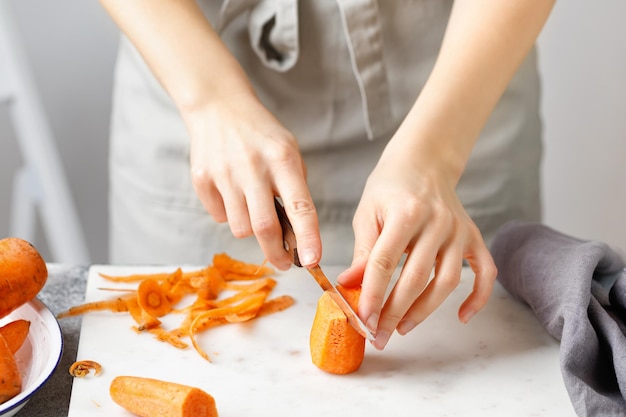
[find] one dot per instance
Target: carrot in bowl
(15, 333)
(10, 378)
(336, 347)
(23, 273)
(149, 397)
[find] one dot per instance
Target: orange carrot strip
(212, 284)
(147, 397)
(251, 289)
(168, 337)
(231, 267)
(336, 347)
(144, 320)
(135, 277)
(116, 305)
(276, 305)
(15, 333)
(159, 276)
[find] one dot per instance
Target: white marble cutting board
(500, 364)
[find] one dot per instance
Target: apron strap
(363, 32)
(273, 32)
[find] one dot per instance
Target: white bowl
(39, 355)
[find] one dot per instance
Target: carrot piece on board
(336, 347)
(15, 333)
(152, 299)
(147, 397)
(23, 273)
(10, 378)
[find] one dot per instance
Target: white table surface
(502, 363)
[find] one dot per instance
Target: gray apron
(341, 75)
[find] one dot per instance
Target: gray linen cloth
(577, 290)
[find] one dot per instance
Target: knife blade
(289, 240)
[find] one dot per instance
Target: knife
(289, 240)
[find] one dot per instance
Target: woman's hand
(409, 205)
(409, 202)
(241, 157)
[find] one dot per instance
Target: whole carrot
(23, 273)
(147, 397)
(336, 347)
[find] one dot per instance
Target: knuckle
(383, 264)
(200, 176)
(301, 207)
(448, 282)
(391, 318)
(416, 277)
(283, 151)
(264, 227)
(241, 231)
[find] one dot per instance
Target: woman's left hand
(410, 206)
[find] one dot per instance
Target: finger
(303, 217)
(237, 213)
(413, 279)
(446, 278)
(266, 227)
(381, 264)
(208, 194)
(484, 268)
(353, 276)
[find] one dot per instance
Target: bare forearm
(485, 43)
(181, 48)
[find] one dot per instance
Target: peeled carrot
(149, 397)
(336, 347)
(23, 273)
(10, 379)
(15, 333)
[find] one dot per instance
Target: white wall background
(583, 62)
(71, 45)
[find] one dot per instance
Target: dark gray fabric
(577, 290)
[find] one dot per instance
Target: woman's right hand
(241, 157)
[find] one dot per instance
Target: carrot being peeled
(336, 347)
(147, 397)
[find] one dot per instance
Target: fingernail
(382, 337)
(406, 326)
(372, 323)
(467, 316)
(307, 257)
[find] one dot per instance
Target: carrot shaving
(116, 305)
(227, 291)
(81, 369)
(152, 299)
